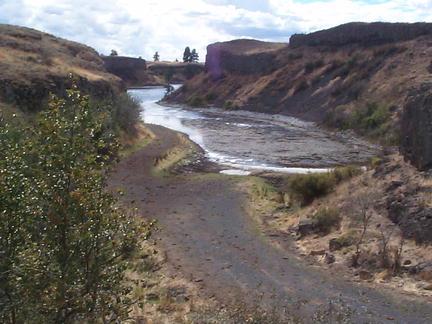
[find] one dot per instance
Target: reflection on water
(255, 141)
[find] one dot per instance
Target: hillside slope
(34, 64)
(356, 76)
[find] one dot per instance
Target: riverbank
(208, 237)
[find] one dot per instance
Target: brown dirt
(208, 237)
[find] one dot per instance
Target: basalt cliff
(373, 78)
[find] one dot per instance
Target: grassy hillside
(33, 64)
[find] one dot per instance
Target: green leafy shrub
(372, 120)
(326, 218)
(306, 187)
(64, 242)
(126, 113)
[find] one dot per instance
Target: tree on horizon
(156, 56)
(194, 57)
(187, 55)
(113, 53)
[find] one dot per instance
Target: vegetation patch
(230, 105)
(197, 101)
(312, 66)
(326, 218)
(307, 187)
(373, 120)
(65, 241)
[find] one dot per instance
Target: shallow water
(251, 141)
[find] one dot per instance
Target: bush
(64, 241)
(210, 97)
(125, 113)
(372, 120)
(375, 162)
(230, 105)
(306, 187)
(345, 240)
(196, 101)
(326, 218)
(346, 172)
(311, 66)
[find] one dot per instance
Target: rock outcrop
(243, 56)
(365, 34)
(414, 219)
(416, 128)
(133, 71)
(176, 72)
(136, 72)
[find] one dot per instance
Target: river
(242, 141)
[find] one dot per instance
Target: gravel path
(209, 238)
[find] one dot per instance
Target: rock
(423, 270)
(365, 275)
(428, 287)
(329, 258)
(246, 56)
(362, 33)
(317, 252)
(416, 128)
(305, 227)
(394, 185)
(340, 242)
(179, 294)
(407, 262)
(414, 219)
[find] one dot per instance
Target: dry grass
(176, 156)
(275, 212)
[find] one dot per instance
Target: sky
(141, 27)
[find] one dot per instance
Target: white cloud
(139, 28)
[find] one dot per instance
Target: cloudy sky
(141, 27)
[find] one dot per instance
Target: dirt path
(209, 238)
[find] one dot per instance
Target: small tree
(187, 55)
(194, 56)
(113, 53)
(362, 210)
(156, 57)
(63, 240)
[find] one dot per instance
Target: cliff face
(174, 72)
(357, 76)
(367, 34)
(136, 72)
(244, 56)
(416, 128)
(34, 64)
(133, 71)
